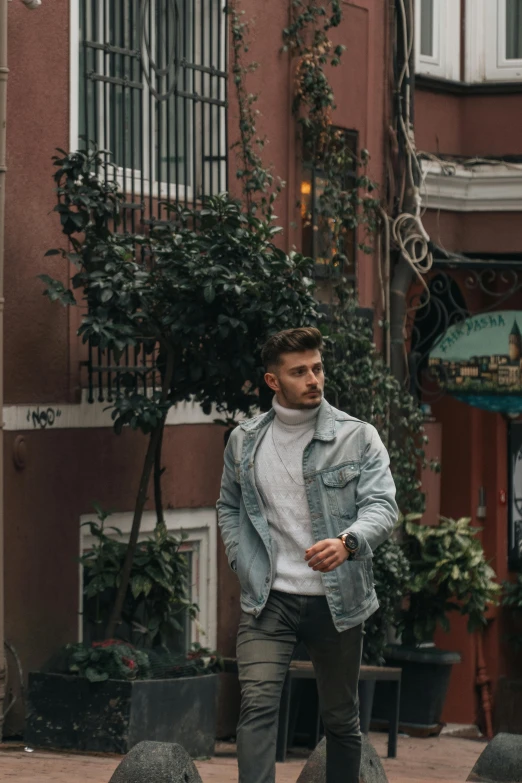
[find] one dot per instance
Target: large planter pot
(424, 685)
(111, 717)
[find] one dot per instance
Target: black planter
(111, 717)
(425, 679)
(366, 696)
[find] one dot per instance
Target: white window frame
(445, 62)
(486, 45)
(200, 525)
(126, 176)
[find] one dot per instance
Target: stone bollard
(160, 762)
(500, 761)
(371, 768)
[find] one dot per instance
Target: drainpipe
(3, 168)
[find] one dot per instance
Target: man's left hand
(326, 555)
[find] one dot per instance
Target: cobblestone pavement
(436, 760)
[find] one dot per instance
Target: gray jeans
(264, 649)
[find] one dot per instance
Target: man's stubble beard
(299, 405)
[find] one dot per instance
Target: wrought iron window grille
(152, 93)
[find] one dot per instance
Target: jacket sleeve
(377, 511)
(228, 504)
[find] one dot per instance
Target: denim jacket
(348, 486)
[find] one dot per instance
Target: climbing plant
(260, 186)
(345, 203)
(359, 382)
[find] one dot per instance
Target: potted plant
(449, 573)
(106, 695)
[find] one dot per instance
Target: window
(437, 38)
(150, 86)
(200, 526)
(318, 232)
(493, 40)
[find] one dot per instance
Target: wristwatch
(350, 542)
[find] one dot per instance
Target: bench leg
(284, 717)
(393, 728)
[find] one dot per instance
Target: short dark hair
(304, 338)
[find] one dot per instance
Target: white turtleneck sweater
(279, 479)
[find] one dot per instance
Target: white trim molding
(85, 415)
(478, 188)
(200, 528)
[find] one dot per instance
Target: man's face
(298, 380)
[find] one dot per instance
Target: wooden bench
(303, 670)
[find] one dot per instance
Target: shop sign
(479, 360)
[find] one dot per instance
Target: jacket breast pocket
(340, 486)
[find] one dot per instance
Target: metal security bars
(153, 93)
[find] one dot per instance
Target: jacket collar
(324, 430)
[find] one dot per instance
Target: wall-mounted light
(481, 510)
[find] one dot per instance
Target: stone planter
(70, 712)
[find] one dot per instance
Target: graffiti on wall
(43, 418)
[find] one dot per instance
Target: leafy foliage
(155, 602)
(116, 660)
(307, 39)
(512, 595)
(449, 573)
(391, 572)
(345, 202)
(207, 288)
(260, 187)
(112, 659)
(359, 382)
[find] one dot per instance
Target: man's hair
(304, 338)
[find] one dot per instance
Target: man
(306, 497)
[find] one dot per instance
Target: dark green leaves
(208, 287)
(449, 573)
(157, 596)
(57, 292)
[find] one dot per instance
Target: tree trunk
(141, 499)
(158, 473)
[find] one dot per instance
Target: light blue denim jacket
(349, 487)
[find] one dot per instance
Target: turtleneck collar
(294, 417)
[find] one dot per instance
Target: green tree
(198, 295)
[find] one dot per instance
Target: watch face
(352, 541)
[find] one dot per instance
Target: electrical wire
(407, 229)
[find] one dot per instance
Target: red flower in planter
(129, 663)
(107, 643)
